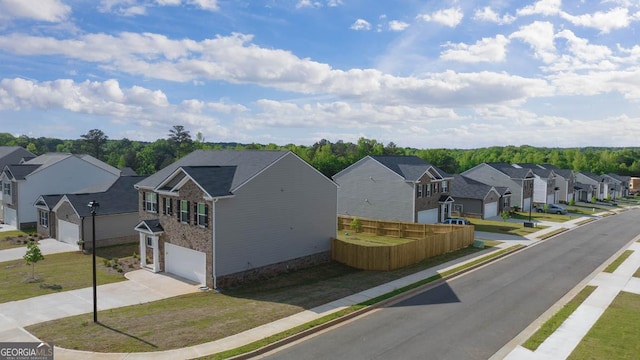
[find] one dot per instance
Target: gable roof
(411, 168)
(247, 163)
(591, 176)
(538, 170)
(120, 198)
(47, 202)
(150, 226)
(464, 187)
(19, 172)
(13, 155)
(215, 181)
(565, 173)
(620, 178)
(512, 172)
(45, 160)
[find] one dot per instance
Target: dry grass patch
(15, 238)
(203, 317)
(57, 272)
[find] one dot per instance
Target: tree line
(329, 158)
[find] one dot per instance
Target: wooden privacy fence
(429, 240)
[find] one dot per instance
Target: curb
(390, 301)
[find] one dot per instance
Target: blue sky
(424, 74)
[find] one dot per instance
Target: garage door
(186, 263)
(428, 216)
(526, 205)
(10, 216)
(490, 210)
(68, 232)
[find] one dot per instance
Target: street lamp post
(94, 205)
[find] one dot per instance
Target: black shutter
(164, 206)
(188, 212)
(170, 206)
(206, 215)
(144, 200)
(179, 209)
(195, 214)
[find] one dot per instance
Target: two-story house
(518, 180)
(597, 185)
(545, 190)
(397, 188)
(222, 217)
(620, 185)
(11, 155)
(51, 173)
(565, 182)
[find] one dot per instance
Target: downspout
(82, 231)
(213, 243)
(413, 202)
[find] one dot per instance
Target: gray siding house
(397, 188)
(475, 199)
(545, 190)
(222, 217)
(67, 217)
(519, 181)
(596, 182)
(565, 182)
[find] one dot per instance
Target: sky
(422, 74)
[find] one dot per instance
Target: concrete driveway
(143, 286)
(47, 246)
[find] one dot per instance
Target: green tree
(32, 256)
(94, 142)
(181, 141)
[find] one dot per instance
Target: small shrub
(572, 202)
(504, 214)
(356, 225)
(106, 262)
(593, 200)
(120, 270)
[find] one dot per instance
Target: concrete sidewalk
(565, 339)
(47, 247)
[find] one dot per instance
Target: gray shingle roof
(464, 187)
(565, 173)
(411, 168)
(509, 170)
(248, 163)
(215, 180)
(12, 155)
(592, 175)
(19, 172)
(540, 171)
(120, 198)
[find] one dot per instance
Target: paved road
(472, 317)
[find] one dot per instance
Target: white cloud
(487, 49)
(234, 59)
(41, 10)
(308, 4)
(487, 14)
(542, 7)
(540, 36)
(361, 24)
(395, 25)
(614, 19)
(449, 17)
(138, 7)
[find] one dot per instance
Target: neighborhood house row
(220, 217)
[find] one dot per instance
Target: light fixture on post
(94, 205)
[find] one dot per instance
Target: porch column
(143, 250)
(156, 254)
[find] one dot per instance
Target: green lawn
(503, 227)
(57, 272)
(614, 265)
(542, 216)
(557, 319)
(202, 317)
(615, 335)
(366, 239)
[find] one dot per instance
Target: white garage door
(187, 263)
(526, 206)
(68, 232)
(490, 210)
(10, 216)
(428, 216)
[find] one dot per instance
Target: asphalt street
(474, 316)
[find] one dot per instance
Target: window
(429, 189)
(203, 214)
(149, 241)
(505, 202)
(168, 206)
(419, 190)
(150, 201)
(44, 219)
(6, 188)
(445, 186)
(184, 211)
